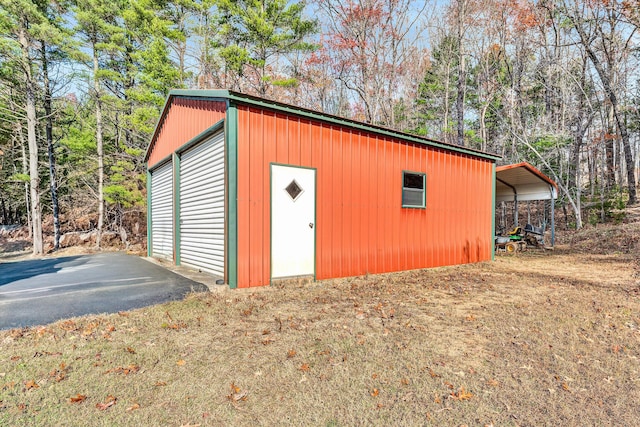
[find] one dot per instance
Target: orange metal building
(253, 190)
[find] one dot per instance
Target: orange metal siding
(185, 119)
(361, 226)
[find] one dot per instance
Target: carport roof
(523, 182)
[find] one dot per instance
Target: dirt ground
(537, 338)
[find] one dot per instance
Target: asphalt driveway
(35, 292)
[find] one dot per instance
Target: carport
(523, 182)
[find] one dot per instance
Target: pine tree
(255, 34)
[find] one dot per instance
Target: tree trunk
(611, 95)
(5, 214)
(483, 125)
(30, 106)
(99, 147)
(578, 142)
(25, 171)
(52, 161)
(445, 113)
(609, 139)
(461, 73)
(129, 84)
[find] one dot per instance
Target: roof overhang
(523, 182)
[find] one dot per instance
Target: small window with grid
(414, 194)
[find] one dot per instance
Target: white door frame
(312, 223)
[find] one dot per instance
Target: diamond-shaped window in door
(294, 190)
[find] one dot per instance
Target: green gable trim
(221, 95)
(231, 140)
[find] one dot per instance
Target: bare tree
(597, 26)
(370, 43)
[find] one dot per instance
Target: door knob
(310, 225)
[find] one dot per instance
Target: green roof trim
(228, 95)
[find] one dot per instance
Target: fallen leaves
(31, 384)
(133, 407)
(131, 369)
(237, 394)
(78, 398)
(174, 326)
(181, 362)
(375, 392)
(90, 328)
(304, 367)
(59, 374)
(108, 402)
(291, 354)
(461, 394)
(68, 325)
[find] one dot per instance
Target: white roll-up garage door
(162, 211)
(202, 205)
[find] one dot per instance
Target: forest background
(82, 84)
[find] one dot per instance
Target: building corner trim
(231, 132)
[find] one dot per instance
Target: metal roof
(236, 97)
(523, 182)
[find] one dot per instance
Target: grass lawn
(540, 338)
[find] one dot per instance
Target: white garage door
(162, 211)
(202, 205)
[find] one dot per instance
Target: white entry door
(293, 212)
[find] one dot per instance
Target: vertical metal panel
(245, 133)
(257, 180)
(361, 226)
(185, 119)
(270, 121)
(162, 211)
(202, 205)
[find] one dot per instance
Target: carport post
(553, 218)
(515, 201)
